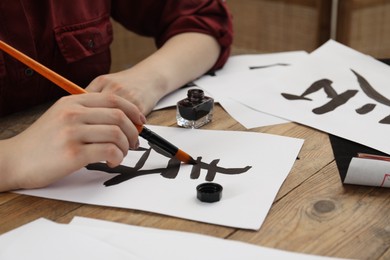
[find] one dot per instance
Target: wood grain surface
(313, 212)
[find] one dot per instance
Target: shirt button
(91, 44)
(28, 72)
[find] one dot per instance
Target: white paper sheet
(229, 87)
(46, 240)
(368, 172)
(177, 245)
(333, 62)
(246, 197)
(86, 238)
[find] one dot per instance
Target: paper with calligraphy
(250, 166)
(334, 89)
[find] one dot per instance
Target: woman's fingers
(111, 100)
(106, 109)
(119, 122)
(108, 152)
(105, 134)
(75, 131)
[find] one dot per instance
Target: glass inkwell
(194, 111)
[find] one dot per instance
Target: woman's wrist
(8, 176)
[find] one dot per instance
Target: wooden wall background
(128, 48)
(280, 25)
(264, 26)
(365, 26)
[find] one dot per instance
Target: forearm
(182, 59)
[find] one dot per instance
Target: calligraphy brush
(72, 88)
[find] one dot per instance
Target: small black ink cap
(209, 192)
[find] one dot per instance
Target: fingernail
(142, 118)
(136, 146)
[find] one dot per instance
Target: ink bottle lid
(194, 111)
(209, 192)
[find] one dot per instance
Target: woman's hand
(132, 85)
(77, 130)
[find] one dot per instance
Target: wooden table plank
(24, 209)
(324, 217)
(7, 196)
(315, 154)
(13, 124)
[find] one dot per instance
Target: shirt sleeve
(163, 19)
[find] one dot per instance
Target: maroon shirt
(72, 37)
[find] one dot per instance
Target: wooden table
(312, 213)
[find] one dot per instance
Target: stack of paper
(96, 239)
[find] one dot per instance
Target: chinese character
(125, 173)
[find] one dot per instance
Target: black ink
(295, 97)
(268, 66)
(195, 172)
(316, 86)
(335, 102)
(340, 99)
(325, 84)
(367, 108)
(370, 91)
(171, 171)
(385, 120)
(373, 94)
